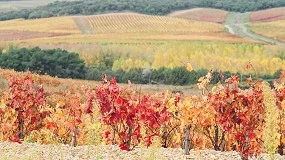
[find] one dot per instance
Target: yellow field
(131, 38)
(275, 29)
(52, 25)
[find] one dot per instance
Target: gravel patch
(31, 151)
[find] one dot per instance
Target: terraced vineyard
(110, 28)
(268, 15)
(136, 23)
(202, 14)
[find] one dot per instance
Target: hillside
(10, 5)
(152, 7)
(274, 29)
(117, 26)
(132, 40)
(135, 23)
(45, 25)
(268, 15)
(57, 106)
(202, 14)
(129, 40)
(143, 80)
(269, 23)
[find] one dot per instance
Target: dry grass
(202, 14)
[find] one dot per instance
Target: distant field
(133, 38)
(137, 23)
(268, 15)
(269, 23)
(50, 25)
(22, 35)
(126, 27)
(202, 14)
(21, 4)
(158, 41)
(275, 29)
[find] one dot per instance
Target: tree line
(153, 7)
(64, 64)
(54, 62)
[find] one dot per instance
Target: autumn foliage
(226, 117)
(23, 108)
(126, 111)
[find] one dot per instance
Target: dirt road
(237, 23)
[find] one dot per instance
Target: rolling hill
(268, 15)
(202, 14)
(23, 4)
(269, 23)
(156, 41)
(115, 26)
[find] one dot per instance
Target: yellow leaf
(59, 113)
(2, 104)
(60, 103)
(189, 67)
(61, 131)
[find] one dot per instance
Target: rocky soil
(33, 151)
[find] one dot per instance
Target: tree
(54, 62)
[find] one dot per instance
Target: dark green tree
(54, 62)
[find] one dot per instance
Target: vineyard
(156, 54)
(202, 14)
(50, 25)
(268, 15)
(118, 28)
(274, 29)
(230, 104)
(135, 23)
(20, 35)
(225, 117)
(269, 23)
